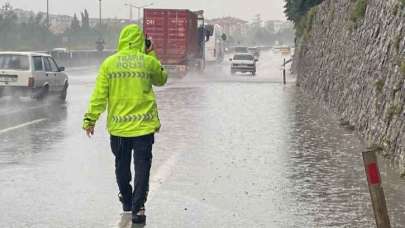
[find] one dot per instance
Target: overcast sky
(269, 9)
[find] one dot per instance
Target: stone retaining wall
(355, 65)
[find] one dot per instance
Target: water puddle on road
(263, 155)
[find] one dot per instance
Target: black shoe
(140, 217)
(126, 204)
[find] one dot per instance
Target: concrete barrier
(80, 58)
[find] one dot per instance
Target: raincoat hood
(131, 38)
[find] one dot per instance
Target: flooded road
(234, 151)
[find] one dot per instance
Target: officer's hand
(150, 49)
(90, 131)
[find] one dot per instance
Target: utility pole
(47, 14)
(100, 42)
(100, 10)
(139, 8)
(131, 7)
(139, 16)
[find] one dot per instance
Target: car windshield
(14, 62)
(243, 57)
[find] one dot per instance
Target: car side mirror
(61, 69)
(256, 60)
(230, 59)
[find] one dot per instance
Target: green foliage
(302, 13)
(398, 7)
(379, 85)
(377, 148)
(34, 34)
(402, 67)
(402, 2)
(304, 27)
(393, 110)
(75, 25)
(395, 9)
(30, 35)
(85, 19)
(397, 43)
(295, 10)
(359, 11)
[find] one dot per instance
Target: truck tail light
(31, 82)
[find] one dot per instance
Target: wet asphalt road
(234, 151)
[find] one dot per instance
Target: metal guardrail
(80, 58)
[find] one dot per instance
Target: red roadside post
(376, 189)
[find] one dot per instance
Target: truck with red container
(178, 38)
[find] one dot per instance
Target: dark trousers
(122, 149)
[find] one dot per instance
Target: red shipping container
(174, 34)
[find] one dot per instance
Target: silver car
(31, 74)
(244, 63)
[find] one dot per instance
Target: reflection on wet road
(234, 151)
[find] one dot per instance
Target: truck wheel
(63, 95)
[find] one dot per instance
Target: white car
(31, 74)
(243, 63)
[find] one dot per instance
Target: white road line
(21, 126)
(24, 110)
(162, 174)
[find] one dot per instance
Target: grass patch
(399, 7)
(359, 11)
(393, 110)
(402, 67)
(379, 85)
(395, 9)
(397, 43)
(376, 148)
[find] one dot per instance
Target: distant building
(281, 25)
(109, 21)
(60, 23)
(231, 25)
(23, 15)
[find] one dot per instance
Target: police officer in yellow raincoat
(124, 88)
